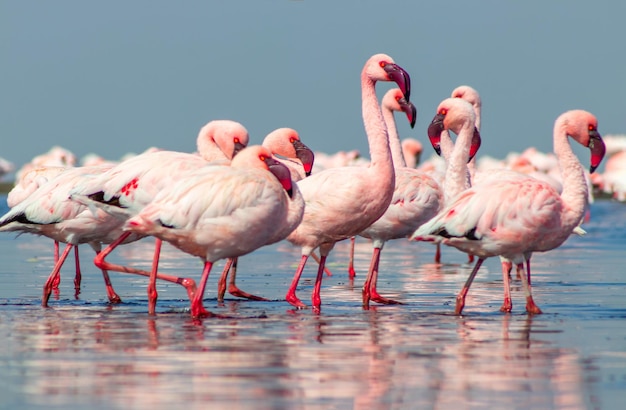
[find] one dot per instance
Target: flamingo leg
(221, 284)
(315, 297)
(460, 299)
(291, 293)
(187, 283)
(369, 287)
(317, 259)
(78, 278)
(48, 286)
(57, 281)
(235, 291)
(153, 295)
(197, 308)
(507, 305)
(531, 307)
(351, 271)
(438, 253)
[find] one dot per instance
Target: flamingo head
(257, 156)
(582, 126)
(286, 142)
(394, 100)
(453, 114)
(381, 67)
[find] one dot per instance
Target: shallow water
(265, 355)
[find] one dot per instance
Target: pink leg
(438, 253)
(197, 308)
(187, 283)
(291, 293)
(315, 297)
(351, 271)
(57, 281)
(235, 291)
(460, 299)
(47, 287)
(78, 278)
(507, 306)
(221, 284)
(369, 287)
(531, 307)
(153, 295)
(317, 259)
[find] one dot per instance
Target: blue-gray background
(118, 76)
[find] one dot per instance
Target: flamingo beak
(305, 155)
(476, 140)
(400, 77)
(282, 174)
(409, 109)
(434, 132)
(238, 147)
(598, 149)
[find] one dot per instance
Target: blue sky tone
(120, 76)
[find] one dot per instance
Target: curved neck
(457, 175)
(394, 139)
(376, 131)
(575, 194)
(208, 149)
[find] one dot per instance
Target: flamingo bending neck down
(342, 202)
(133, 184)
(515, 217)
(287, 148)
(220, 212)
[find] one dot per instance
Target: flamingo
(135, 182)
(412, 151)
(342, 202)
(515, 217)
(49, 212)
(287, 148)
(417, 197)
(220, 212)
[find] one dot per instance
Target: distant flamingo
(342, 202)
(287, 148)
(417, 197)
(220, 212)
(135, 182)
(516, 217)
(412, 152)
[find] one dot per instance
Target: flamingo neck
(457, 175)
(377, 137)
(394, 139)
(575, 194)
(208, 149)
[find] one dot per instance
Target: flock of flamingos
(231, 198)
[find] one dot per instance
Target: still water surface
(84, 353)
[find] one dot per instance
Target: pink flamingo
(342, 202)
(417, 197)
(412, 152)
(220, 212)
(135, 182)
(515, 217)
(49, 212)
(287, 148)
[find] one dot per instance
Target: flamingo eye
(383, 64)
(236, 140)
(592, 127)
(262, 157)
(443, 111)
(292, 140)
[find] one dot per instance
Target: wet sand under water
(266, 355)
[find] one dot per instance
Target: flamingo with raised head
(287, 148)
(417, 197)
(516, 217)
(132, 184)
(220, 212)
(342, 202)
